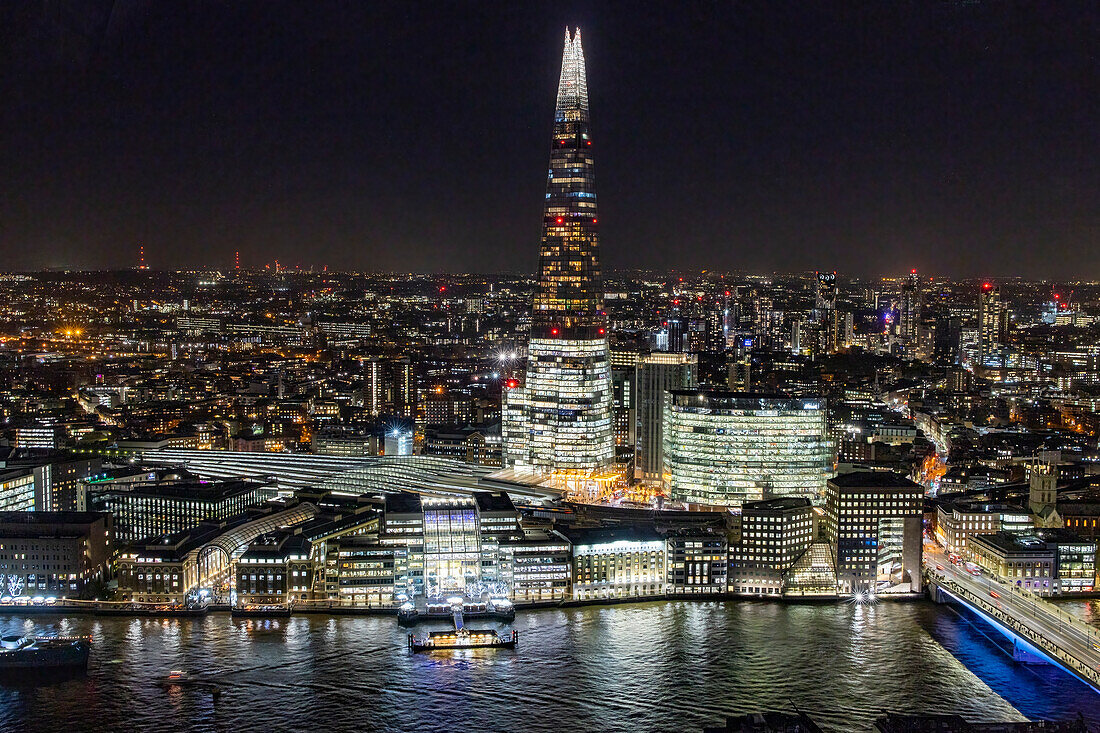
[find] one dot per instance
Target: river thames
(667, 666)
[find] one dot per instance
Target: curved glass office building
(727, 448)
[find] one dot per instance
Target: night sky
(961, 138)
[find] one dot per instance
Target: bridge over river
(1038, 629)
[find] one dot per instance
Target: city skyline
(264, 469)
(761, 140)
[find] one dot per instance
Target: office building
(158, 509)
(403, 529)
(16, 490)
(655, 375)
(1046, 561)
(1023, 560)
(452, 544)
(774, 534)
(873, 519)
(345, 442)
(53, 553)
(177, 567)
(698, 563)
(536, 565)
(468, 444)
(498, 523)
(57, 480)
(623, 397)
(620, 562)
(274, 569)
(727, 448)
(37, 436)
(1074, 560)
(361, 571)
(564, 407)
(57, 476)
(958, 522)
(440, 407)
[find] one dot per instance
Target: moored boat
(255, 611)
(35, 657)
(462, 639)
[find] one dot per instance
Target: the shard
(560, 420)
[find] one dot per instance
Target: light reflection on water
(674, 666)
(1089, 610)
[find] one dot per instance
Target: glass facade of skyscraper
(727, 448)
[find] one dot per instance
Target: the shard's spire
(573, 86)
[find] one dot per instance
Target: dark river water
(669, 666)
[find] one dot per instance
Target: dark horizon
(956, 138)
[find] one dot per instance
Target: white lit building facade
(565, 408)
(618, 563)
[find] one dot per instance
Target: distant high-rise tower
(560, 420)
(831, 324)
(992, 322)
(910, 308)
(825, 291)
